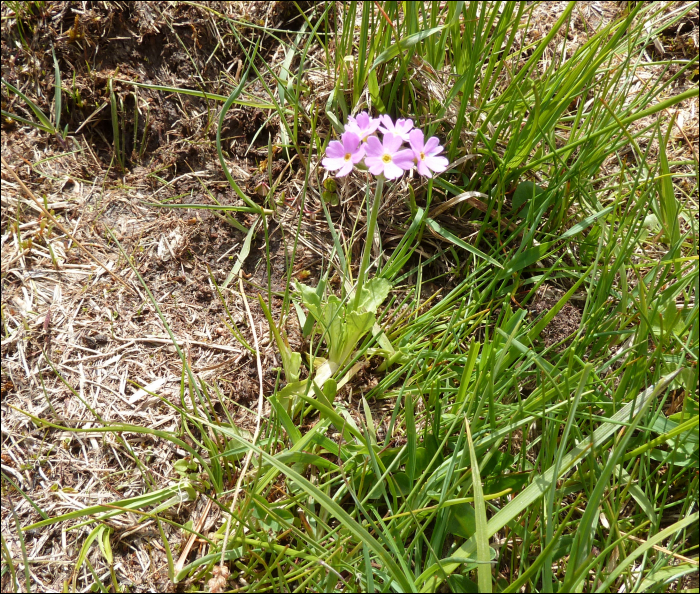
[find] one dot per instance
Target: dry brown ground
(60, 304)
(64, 313)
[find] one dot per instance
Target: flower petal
(335, 149)
(373, 148)
(437, 164)
(350, 141)
(333, 163)
(362, 120)
(392, 170)
(415, 139)
(375, 165)
(392, 143)
(430, 146)
(405, 159)
(345, 169)
(422, 169)
(404, 125)
(359, 155)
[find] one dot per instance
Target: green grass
(510, 462)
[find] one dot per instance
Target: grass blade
(449, 236)
(45, 124)
(229, 102)
(57, 97)
(482, 539)
(403, 44)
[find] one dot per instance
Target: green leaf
(513, 480)
(526, 258)
(532, 129)
(371, 487)
(356, 326)
(281, 411)
(373, 88)
(435, 226)
(46, 124)
(305, 458)
(562, 547)
(287, 396)
(94, 533)
(407, 42)
(648, 544)
(472, 355)
(370, 422)
(481, 534)
(585, 223)
(349, 428)
(216, 207)
(22, 120)
(462, 520)
(423, 458)
(373, 294)
(670, 206)
(57, 85)
(115, 125)
(291, 361)
(330, 389)
(583, 539)
(666, 575)
(403, 483)
(530, 194)
(311, 300)
(344, 330)
(105, 546)
(405, 249)
(242, 255)
(228, 103)
(182, 491)
(414, 467)
(460, 583)
(639, 496)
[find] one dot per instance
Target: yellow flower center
(386, 158)
(422, 156)
(348, 156)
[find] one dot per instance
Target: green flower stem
(371, 224)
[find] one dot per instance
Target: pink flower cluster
(386, 157)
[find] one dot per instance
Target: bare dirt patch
(63, 313)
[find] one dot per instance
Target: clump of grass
(45, 123)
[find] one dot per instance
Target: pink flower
(386, 158)
(345, 154)
(401, 128)
(362, 125)
(425, 154)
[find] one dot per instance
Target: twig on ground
(163, 340)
